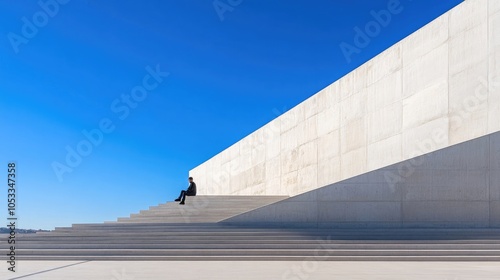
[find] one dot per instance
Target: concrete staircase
(200, 209)
(197, 231)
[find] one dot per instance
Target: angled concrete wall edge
(458, 186)
(435, 88)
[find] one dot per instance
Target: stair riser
(301, 253)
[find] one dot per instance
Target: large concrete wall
(458, 186)
(435, 88)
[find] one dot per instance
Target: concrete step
(332, 233)
(263, 258)
(200, 209)
(284, 242)
(269, 252)
(192, 232)
(85, 253)
(250, 227)
(259, 245)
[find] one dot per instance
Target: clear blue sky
(229, 73)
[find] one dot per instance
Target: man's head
(190, 179)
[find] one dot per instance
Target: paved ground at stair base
(63, 270)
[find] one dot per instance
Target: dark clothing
(191, 191)
(183, 195)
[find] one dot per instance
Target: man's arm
(190, 188)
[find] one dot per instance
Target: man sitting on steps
(191, 191)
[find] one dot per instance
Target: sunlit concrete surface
(112, 270)
(458, 186)
(435, 88)
(435, 91)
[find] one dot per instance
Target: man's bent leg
(181, 196)
(185, 193)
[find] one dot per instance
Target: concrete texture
(305, 269)
(409, 139)
(204, 209)
(458, 186)
(173, 232)
(438, 87)
(210, 242)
